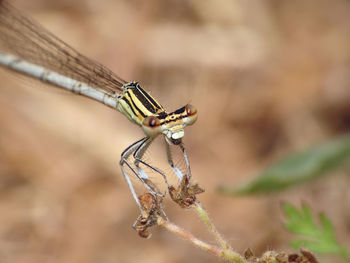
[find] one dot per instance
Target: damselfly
(38, 53)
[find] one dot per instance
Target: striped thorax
(141, 108)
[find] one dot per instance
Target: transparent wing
(28, 40)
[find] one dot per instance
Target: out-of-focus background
(267, 77)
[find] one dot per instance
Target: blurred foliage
(297, 168)
(318, 238)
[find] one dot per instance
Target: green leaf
(317, 238)
(297, 168)
(302, 222)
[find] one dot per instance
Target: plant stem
(187, 235)
(205, 218)
(224, 253)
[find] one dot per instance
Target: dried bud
(185, 194)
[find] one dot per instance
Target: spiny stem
(205, 218)
(224, 253)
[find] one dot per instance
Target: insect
(32, 50)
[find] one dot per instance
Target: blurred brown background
(267, 77)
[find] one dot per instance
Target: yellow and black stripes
(146, 99)
(138, 106)
(173, 116)
(140, 102)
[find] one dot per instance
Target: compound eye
(190, 110)
(191, 115)
(151, 126)
(151, 121)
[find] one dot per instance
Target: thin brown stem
(224, 253)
